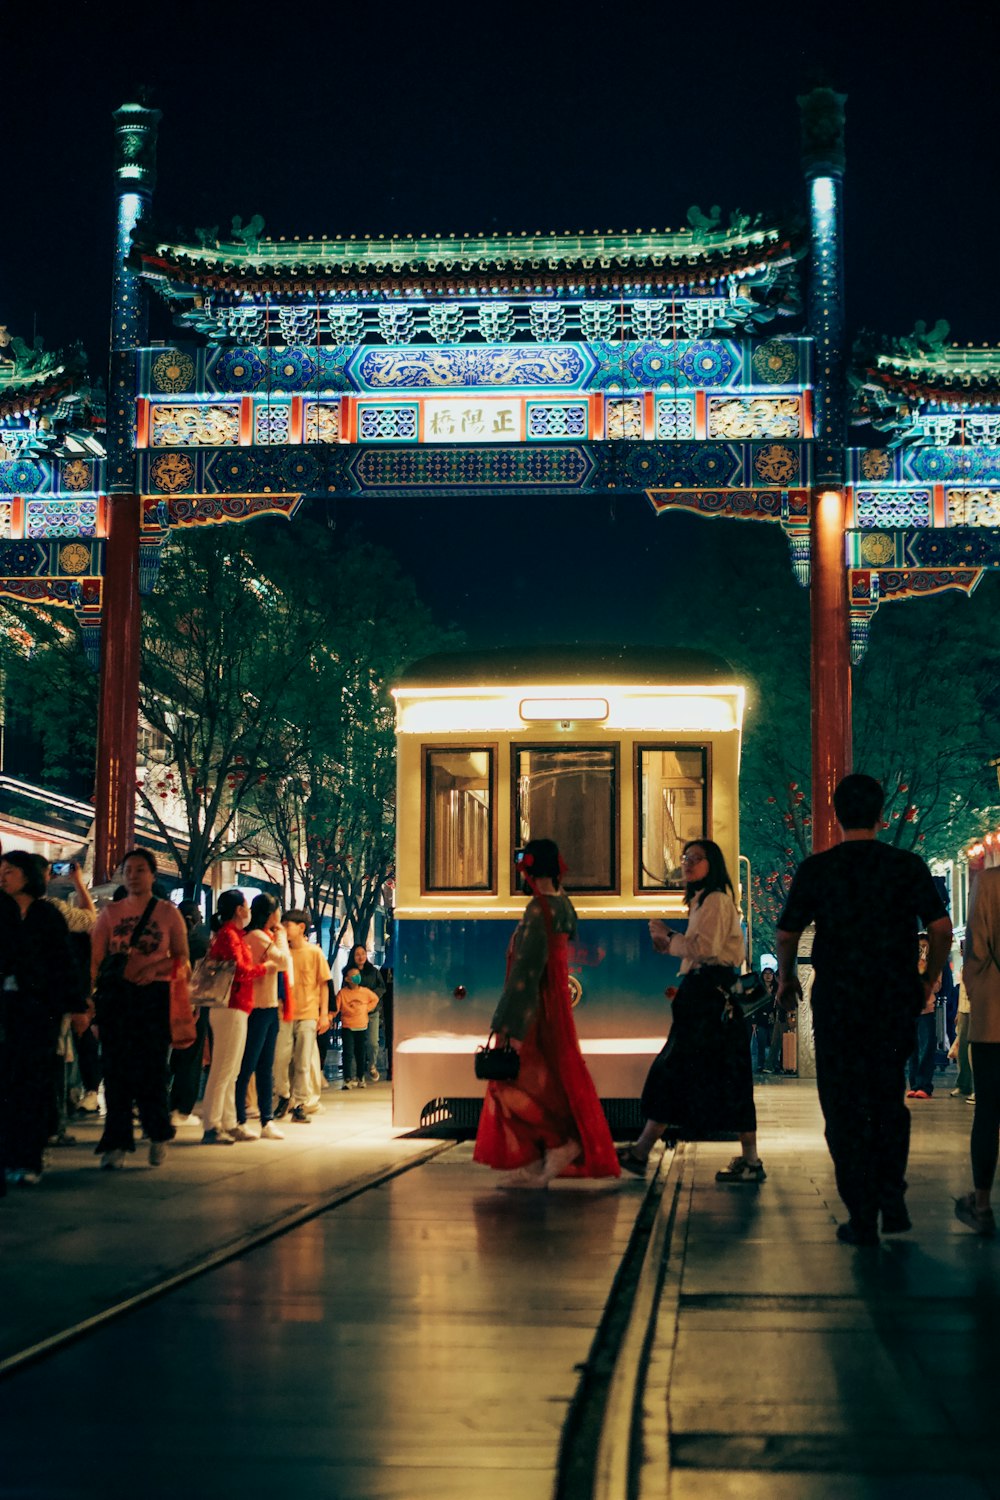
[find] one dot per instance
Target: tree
(50, 693)
(333, 815)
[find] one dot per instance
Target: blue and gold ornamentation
(22, 476)
(234, 469)
(972, 463)
(170, 473)
(53, 518)
(300, 469)
(774, 362)
(875, 463)
(74, 474)
(22, 559)
(777, 463)
(239, 370)
(477, 469)
(172, 371)
(456, 367)
(75, 559)
(291, 369)
(707, 362)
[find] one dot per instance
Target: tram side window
(673, 787)
(570, 794)
(459, 820)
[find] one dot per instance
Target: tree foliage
(267, 653)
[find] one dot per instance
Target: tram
(621, 755)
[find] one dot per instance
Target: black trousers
(186, 1067)
(88, 1056)
(986, 1120)
(867, 1123)
(27, 1060)
(135, 1041)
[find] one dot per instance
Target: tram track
(602, 1450)
(242, 1244)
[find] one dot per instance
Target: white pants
(229, 1037)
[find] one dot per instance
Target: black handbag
(497, 1062)
(111, 973)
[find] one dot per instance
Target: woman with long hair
(229, 1022)
(547, 1122)
(265, 937)
(702, 1081)
(41, 980)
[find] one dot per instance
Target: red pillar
(830, 661)
(118, 717)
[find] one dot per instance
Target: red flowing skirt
(553, 1099)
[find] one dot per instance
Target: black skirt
(702, 1081)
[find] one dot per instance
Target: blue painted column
(823, 161)
(117, 733)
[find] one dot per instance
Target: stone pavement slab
(789, 1365)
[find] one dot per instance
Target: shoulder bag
(111, 973)
(212, 981)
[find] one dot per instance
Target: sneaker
(345, 1088)
(559, 1158)
(958, 1094)
(112, 1160)
(980, 1220)
(911, 1093)
(530, 1176)
(361, 1084)
(157, 1153)
(970, 1098)
(740, 1170)
(374, 1074)
(216, 1136)
(179, 1121)
(241, 1133)
(629, 1162)
(89, 1104)
(281, 1108)
(855, 1234)
(271, 1132)
(918, 1094)
(299, 1115)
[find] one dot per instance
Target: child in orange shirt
(354, 1003)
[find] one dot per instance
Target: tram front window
(570, 795)
(673, 783)
(459, 812)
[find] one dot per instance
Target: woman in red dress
(547, 1122)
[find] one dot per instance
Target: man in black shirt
(868, 901)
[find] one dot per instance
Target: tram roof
(641, 665)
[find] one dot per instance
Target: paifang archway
(655, 363)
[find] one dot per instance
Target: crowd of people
(864, 901)
(105, 997)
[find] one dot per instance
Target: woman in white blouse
(269, 947)
(702, 1082)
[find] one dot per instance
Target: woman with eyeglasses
(702, 1082)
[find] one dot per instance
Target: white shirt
(713, 936)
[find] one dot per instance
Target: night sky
(438, 118)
